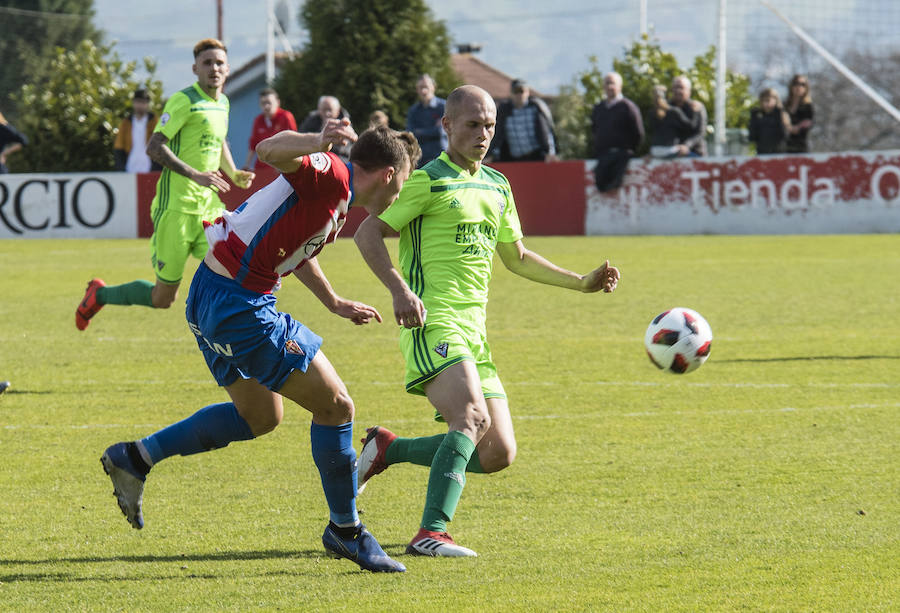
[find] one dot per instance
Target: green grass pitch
(765, 481)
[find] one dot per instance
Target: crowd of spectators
(525, 131)
(678, 125)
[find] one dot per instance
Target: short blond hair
(208, 43)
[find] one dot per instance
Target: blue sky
(544, 42)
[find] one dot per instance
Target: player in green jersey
(189, 143)
(452, 215)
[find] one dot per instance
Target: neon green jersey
(449, 223)
(196, 126)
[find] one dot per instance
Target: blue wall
(244, 109)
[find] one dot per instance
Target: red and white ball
(678, 340)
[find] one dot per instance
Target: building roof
(472, 71)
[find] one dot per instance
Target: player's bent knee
(339, 411)
(478, 419)
(266, 425)
(496, 460)
(162, 301)
(261, 418)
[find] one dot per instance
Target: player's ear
(388, 175)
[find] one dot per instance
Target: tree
(369, 55)
(30, 32)
(72, 116)
(643, 66)
(845, 118)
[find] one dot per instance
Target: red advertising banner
(549, 197)
(837, 193)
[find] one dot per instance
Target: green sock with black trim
(138, 292)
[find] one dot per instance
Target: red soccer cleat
(89, 305)
(371, 458)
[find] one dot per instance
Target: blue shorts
(241, 334)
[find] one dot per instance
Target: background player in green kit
(189, 143)
(452, 215)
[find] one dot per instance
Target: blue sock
(333, 453)
(209, 428)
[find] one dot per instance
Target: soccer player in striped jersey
(189, 143)
(452, 215)
(259, 354)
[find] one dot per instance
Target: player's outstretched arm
(312, 276)
(159, 152)
(241, 178)
(408, 308)
(528, 264)
(284, 150)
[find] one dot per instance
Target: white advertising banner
(808, 194)
(68, 205)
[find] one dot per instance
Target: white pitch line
(517, 417)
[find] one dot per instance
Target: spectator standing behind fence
(130, 148)
(329, 107)
(270, 122)
(800, 108)
(11, 140)
(668, 125)
(424, 120)
(694, 141)
(524, 130)
(679, 124)
(769, 124)
(617, 130)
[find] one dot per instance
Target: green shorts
(176, 236)
(440, 344)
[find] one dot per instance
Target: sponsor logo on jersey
(320, 161)
(160, 264)
(281, 252)
(501, 205)
(441, 349)
(314, 243)
(164, 119)
(292, 347)
(455, 204)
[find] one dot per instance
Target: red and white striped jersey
(283, 224)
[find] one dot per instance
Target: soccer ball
(678, 340)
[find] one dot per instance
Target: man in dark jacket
(617, 130)
(524, 129)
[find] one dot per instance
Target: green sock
(446, 481)
(421, 450)
(137, 292)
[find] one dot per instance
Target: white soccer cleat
(371, 459)
(430, 543)
(128, 483)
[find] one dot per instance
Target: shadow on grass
(219, 556)
(223, 556)
(815, 358)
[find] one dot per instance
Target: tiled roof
(473, 71)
